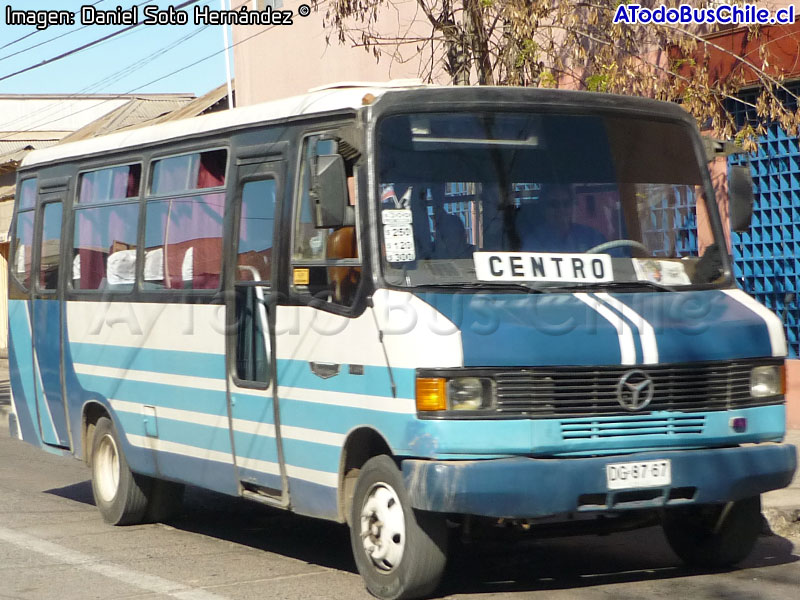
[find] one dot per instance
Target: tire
(121, 496)
(692, 536)
(405, 559)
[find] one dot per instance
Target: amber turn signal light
(431, 393)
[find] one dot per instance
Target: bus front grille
(574, 391)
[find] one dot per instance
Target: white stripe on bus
(241, 425)
(627, 349)
(348, 400)
(344, 399)
(205, 383)
(647, 334)
(262, 466)
(777, 337)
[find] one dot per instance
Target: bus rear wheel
(399, 552)
(718, 535)
(120, 495)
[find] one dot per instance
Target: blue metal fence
(767, 258)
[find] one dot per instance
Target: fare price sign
(543, 266)
(398, 234)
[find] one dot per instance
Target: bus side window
(252, 334)
(325, 262)
(256, 225)
(50, 251)
(183, 221)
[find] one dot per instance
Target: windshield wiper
(491, 286)
(615, 285)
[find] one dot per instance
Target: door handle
(324, 370)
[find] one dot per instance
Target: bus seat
(344, 280)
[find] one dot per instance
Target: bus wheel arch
(361, 445)
(92, 411)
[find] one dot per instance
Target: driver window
(325, 261)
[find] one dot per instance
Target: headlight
(466, 393)
(454, 393)
(766, 381)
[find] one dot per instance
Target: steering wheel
(617, 244)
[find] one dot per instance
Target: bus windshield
(543, 200)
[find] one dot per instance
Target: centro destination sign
(542, 266)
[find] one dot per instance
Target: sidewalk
(781, 507)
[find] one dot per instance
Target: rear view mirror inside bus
(329, 192)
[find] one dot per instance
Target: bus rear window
(26, 194)
(23, 248)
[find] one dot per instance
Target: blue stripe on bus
(701, 326)
(194, 364)
(375, 381)
(21, 366)
(201, 437)
(300, 453)
(46, 327)
(313, 499)
(396, 427)
(507, 330)
(256, 446)
(637, 338)
(212, 402)
(195, 471)
(25, 410)
(260, 478)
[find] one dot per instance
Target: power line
(184, 68)
(85, 46)
(58, 37)
(35, 31)
(47, 112)
(109, 79)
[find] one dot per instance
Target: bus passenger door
(46, 321)
(251, 334)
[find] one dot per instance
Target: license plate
(644, 474)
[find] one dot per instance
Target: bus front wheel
(120, 497)
(399, 552)
(717, 535)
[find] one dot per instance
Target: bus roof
(319, 101)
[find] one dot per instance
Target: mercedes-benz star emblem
(635, 390)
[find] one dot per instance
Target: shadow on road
(573, 563)
(486, 567)
(80, 492)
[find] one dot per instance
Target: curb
(784, 522)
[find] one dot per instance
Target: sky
(141, 60)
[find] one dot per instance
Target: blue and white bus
(407, 309)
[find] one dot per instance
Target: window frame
(304, 298)
(79, 177)
(38, 236)
(77, 208)
(186, 294)
(259, 174)
(273, 169)
(14, 239)
(146, 191)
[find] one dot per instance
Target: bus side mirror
(740, 198)
(329, 192)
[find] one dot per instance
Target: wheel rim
(106, 468)
(383, 527)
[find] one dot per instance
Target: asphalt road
(53, 544)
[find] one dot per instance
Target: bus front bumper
(524, 487)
